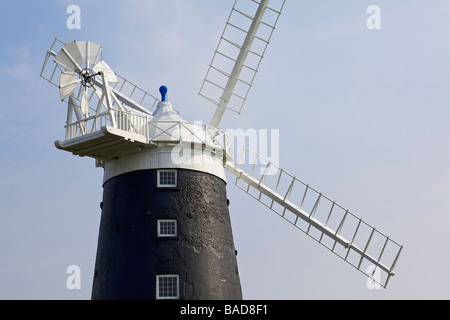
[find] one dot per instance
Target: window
(167, 178)
(167, 287)
(167, 228)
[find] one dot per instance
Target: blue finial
(163, 90)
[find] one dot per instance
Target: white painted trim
(162, 158)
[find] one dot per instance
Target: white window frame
(174, 185)
(161, 235)
(177, 288)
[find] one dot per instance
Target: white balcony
(110, 135)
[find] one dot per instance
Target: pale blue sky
(363, 116)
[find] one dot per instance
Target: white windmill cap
(164, 110)
(176, 144)
(166, 123)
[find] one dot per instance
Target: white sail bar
(333, 226)
(52, 75)
(133, 96)
(239, 54)
(124, 100)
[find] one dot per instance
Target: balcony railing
(123, 120)
(180, 131)
(154, 131)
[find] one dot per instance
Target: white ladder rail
(224, 86)
(348, 250)
(240, 61)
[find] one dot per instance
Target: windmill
(165, 230)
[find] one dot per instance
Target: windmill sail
(330, 224)
(239, 54)
(129, 94)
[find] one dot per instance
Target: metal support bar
(367, 245)
(288, 193)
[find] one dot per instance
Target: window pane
(167, 228)
(167, 178)
(167, 287)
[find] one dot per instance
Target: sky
(363, 117)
